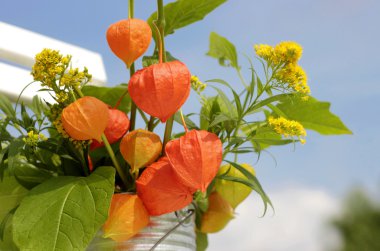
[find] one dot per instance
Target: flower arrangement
(79, 165)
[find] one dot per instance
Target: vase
(168, 232)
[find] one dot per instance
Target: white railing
(17, 50)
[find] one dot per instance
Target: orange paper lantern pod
(118, 125)
(196, 158)
(160, 89)
(160, 189)
(85, 119)
(233, 192)
(129, 39)
(218, 214)
(140, 148)
(127, 216)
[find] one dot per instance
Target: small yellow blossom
(197, 85)
(47, 67)
(32, 138)
(295, 77)
(288, 128)
(288, 52)
(265, 52)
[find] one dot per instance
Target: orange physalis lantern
(196, 158)
(118, 125)
(233, 192)
(218, 214)
(160, 89)
(127, 216)
(129, 39)
(85, 118)
(140, 148)
(160, 190)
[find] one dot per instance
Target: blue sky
(341, 56)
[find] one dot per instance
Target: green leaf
(264, 137)
(252, 182)
(28, 174)
(6, 106)
(109, 95)
(15, 148)
(38, 107)
(270, 100)
(181, 13)
(26, 120)
(202, 241)
(223, 50)
(150, 60)
(67, 212)
(189, 123)
(314, 115)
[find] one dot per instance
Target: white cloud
(300, 223)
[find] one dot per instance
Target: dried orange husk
(161, 89)
(85, 118)
(127, 216)
(196, 158)
(129, 39)
(231, 191)
(160, 190)
(118, 125)
(218, 214)
(140, 148)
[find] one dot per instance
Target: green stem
(130, 9)
(133, 105)
(168, 132)
(161, 26)
(151, 124)
(119, 170)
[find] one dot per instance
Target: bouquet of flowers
(72, 168)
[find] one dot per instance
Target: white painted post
(18, 48)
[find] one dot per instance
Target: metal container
(169, 232)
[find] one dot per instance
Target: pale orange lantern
(161, 89)
(118, 125)
(218, 214)
(195, 158)
(85, 118)
(127, 216)
(160, 189)
(129, 39)
(140, 148)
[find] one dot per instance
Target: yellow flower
(265, 52)
(197, 85)
(288, 52)
(288, 128)
(32, 138)
(295, 77)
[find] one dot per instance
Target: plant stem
(119, 170)
(151, 124)
(133, 105)
(130, 9)
(161, 27)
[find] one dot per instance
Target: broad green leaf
(109, 95)
(314, 115)
(150, 60)
(11, 193)
(220, 118)
(264, 137)
(223, 50)
(28, 174)
(202, 241)
(66, 212)
(181, 13)
(6, 106)
(15, 148)
(252, 182)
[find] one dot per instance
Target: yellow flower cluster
(288, 128)
(51, 69)
(295, 77)
(285, 56)
(32, 138)
(197, 85)
(49, 64)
